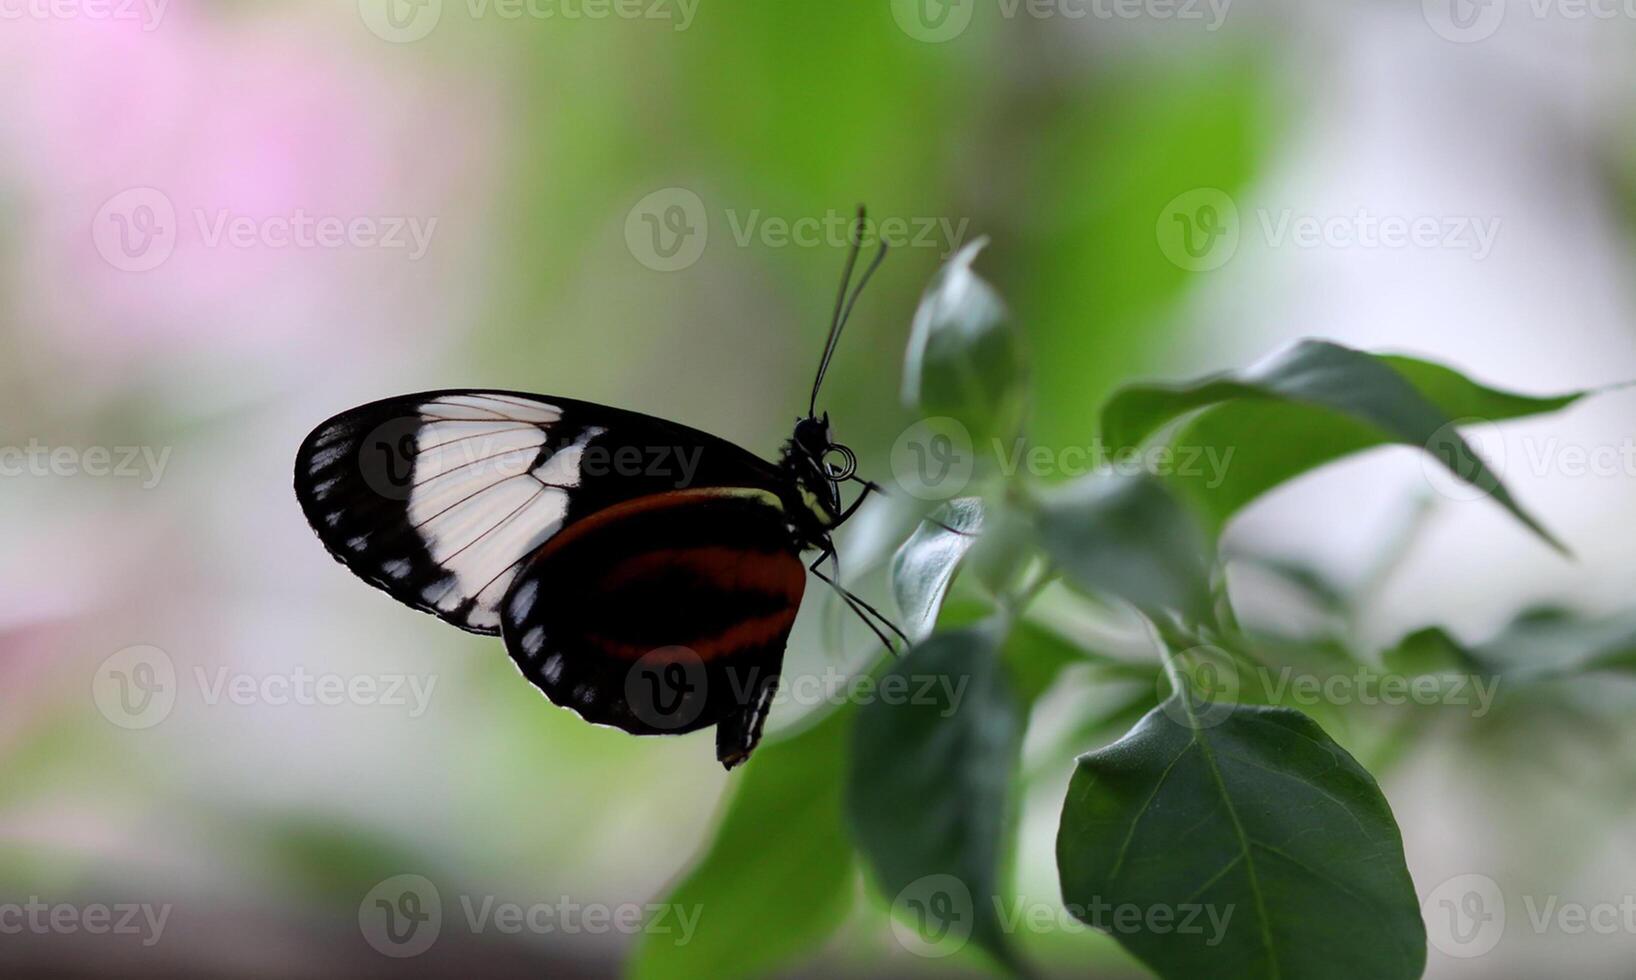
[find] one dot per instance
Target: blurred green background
(540, 148)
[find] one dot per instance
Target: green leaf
(1036, 656)
(1252, 848)
(778, 877)
(1127, 536)
(923, 568)
(1428, 651)
(1542, 645)
(1313, 583)
(964, 360)
(1003, 556)
(1310, 404)
(927, 794)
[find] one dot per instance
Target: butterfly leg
(869, 614)
(852, 508)
(871, 485)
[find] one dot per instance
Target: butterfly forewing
(439, 498)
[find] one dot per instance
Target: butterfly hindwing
(662, 614)
(439, 498)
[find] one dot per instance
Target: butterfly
(640, 572)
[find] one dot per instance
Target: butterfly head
(819, 463)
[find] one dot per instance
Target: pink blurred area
(236, 115)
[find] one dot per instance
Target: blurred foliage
(1284, 826)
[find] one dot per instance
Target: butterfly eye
(842, 468)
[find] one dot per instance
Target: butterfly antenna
(844, 298)
(868, 273)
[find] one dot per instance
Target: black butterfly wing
(663, 614)
(439, 498)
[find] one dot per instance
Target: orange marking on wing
(609, 515)
(729, 569)
(756, 631)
